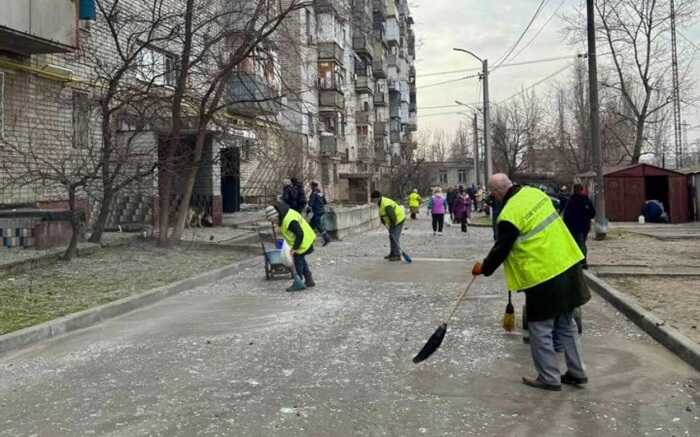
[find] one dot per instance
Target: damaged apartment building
(329, 97)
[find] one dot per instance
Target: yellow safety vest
(290, 238)
(414, 200)
(398, 211)
(544, 248)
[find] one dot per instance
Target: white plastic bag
(287, 259)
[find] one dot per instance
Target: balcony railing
(38, 27)
(331, 99)
(363, 118)
(379, 67)
(381, 130)
(330, 51)
(249, 94)
(379, 99)
(364, 85)
(363, 45)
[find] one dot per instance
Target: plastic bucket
(279, 243)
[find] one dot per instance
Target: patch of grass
(49, 292)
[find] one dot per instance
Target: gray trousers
(394, 239)
(549, 335)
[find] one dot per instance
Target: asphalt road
(245, 358)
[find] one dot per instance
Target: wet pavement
(244, 358)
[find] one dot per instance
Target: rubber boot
(297, 285)
(326, 239)
(309, 280)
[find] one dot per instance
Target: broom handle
(459, 301)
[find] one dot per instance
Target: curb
(679, 344)
(83, 319)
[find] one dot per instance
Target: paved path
(681, 231)
(244, 358)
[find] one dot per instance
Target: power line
(447, 81)
(544, 26)
(504, 58)
(536, 84)
(514, 64)
(442, 114)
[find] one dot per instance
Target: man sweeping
(393, 217)
(299, 236)
(542, 260)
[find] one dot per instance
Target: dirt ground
(674, 299)
(45, 293)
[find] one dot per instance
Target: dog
(194, 217)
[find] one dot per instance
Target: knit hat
(271, 213)
(376, 194)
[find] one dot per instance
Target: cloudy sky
(490, 28)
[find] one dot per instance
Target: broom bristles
(509, 322)
(432, 344)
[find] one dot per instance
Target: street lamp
(476, 140)
(488, 170)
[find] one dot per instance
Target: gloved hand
(476, 270)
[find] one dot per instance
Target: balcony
(364, 118)
(249, 94)
(364, 153)
(329, 146)
(392, 60)
(379, 7)
(379, 67)
(412, 71)
(330, 51)
(364, 85)
(328, 7)
(39, 26)
(412, 122)
(379, 99)
(381, 130)
(363, 46)
(394, 85)
(332, 100)
(395, 137)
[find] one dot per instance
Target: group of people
(457, 204)
(542, 251)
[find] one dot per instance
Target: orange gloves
(476, 270)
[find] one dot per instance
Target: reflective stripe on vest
(290, 238)
(545, 247)
(398, 211)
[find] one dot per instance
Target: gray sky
(490, 28)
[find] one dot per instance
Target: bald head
(499, 184)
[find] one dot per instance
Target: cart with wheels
(274, 264)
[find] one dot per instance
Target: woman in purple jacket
(438, 208)
(462, 208)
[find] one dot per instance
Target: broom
(435, 340)
(509, 316)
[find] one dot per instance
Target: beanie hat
(271, 213)
(376, 195)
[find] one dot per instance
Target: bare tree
(517, 127)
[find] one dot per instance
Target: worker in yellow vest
(414, 201)
(541, 259)
(299, 236)
(393, 217)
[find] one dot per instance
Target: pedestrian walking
(300, 196)
(578, 213)
(393, 217)
(462, 208)
(437, 206)
(317, 207)
(543, 261)
(451, 194)
(414, 201)
(300, 237)
(289, 193)
(471, 192)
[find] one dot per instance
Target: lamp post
(476, 141)
(488, 166)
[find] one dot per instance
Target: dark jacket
(559, 295)
(451, 196)
(289, 196)
(316, 202)
(578, 213)
(294, 227)
(300, 203)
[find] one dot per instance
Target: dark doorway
(231, 179)
(656, 188)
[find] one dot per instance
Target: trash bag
(287, 259)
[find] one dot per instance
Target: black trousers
(438, 222)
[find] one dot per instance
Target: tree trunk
(181, 215)
(105, 206)
(72, 249)
(638, 140)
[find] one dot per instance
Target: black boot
(326, 239)
(309, 280)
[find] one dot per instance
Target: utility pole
(487, 124)
(601, 223)
(476, 148)
(488, 166)
(677, 124)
